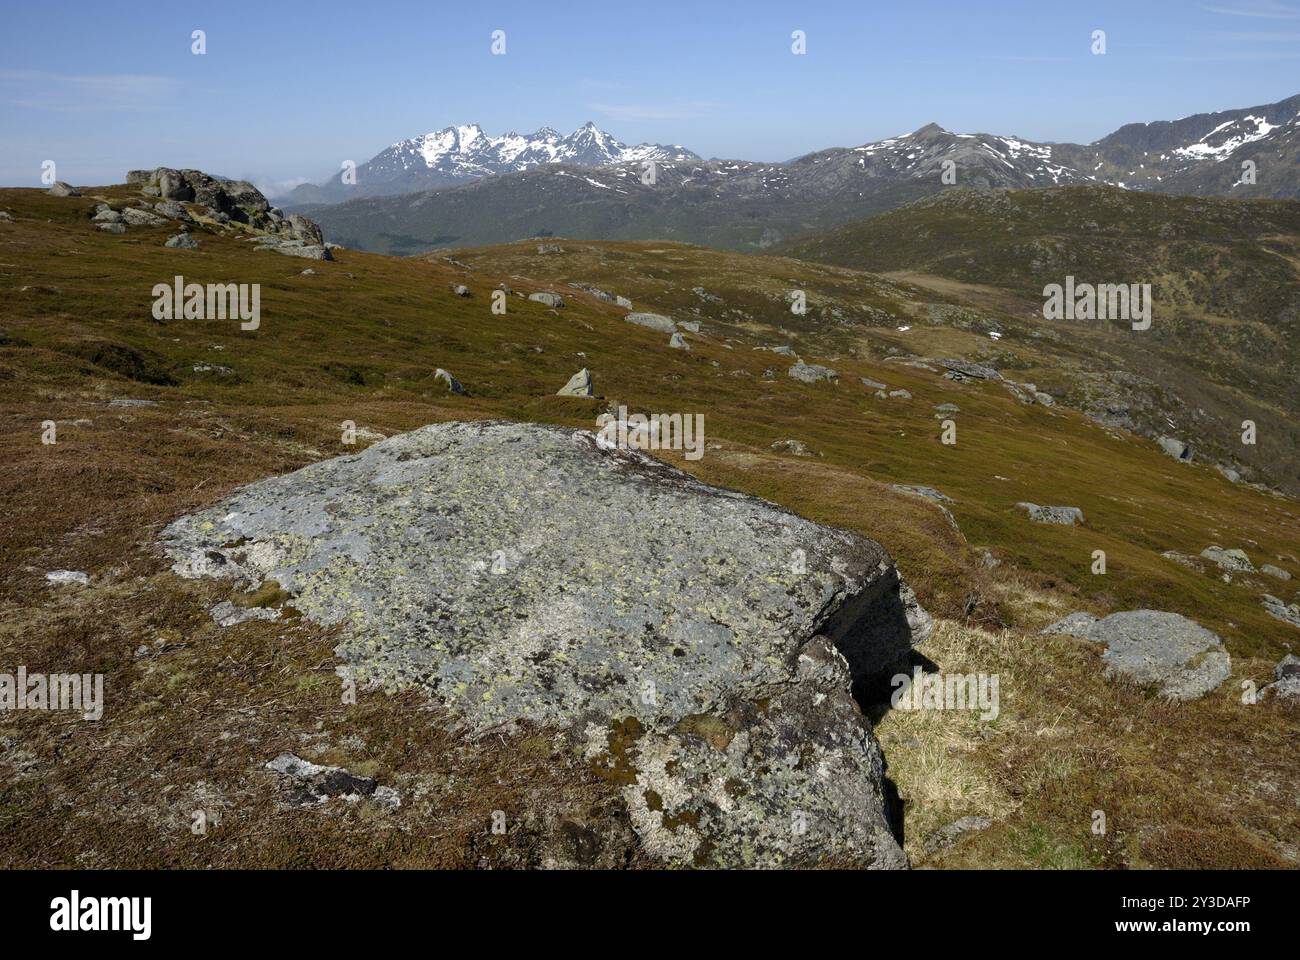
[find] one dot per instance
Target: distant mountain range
(589, 185)
(460, 154)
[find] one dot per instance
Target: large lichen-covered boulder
(698, 645)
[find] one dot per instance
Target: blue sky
(288, 90)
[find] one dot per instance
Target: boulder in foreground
(697, 645)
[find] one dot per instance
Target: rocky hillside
(367, 590)
(1225, 279)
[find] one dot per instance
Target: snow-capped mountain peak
(465, 152)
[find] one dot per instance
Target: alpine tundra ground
(195, 711)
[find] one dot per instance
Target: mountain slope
(1225, 279)
(460, 154)
(744, 205)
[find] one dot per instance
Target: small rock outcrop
(182, 241)
(226, 201)
(579, 385)
(1281, 610)
(678, 342)
(1177, 449)
(696, 645)
(549, 299)
(1286, 680)
(453, 385)
(811, 372)
(654, 321)
(1182, 658)
(1065, 516)
(61, 189)
(1233, 560)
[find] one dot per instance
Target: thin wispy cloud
(75, 93)
(663, 111)
(1257, 9)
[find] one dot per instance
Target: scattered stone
(173, 210)
(1277, 573)
(900, 395)
(309, 272)
(579, 385)
(928, 492)
(142, 218)
(293, 248)
(1181, 657)
(65, 577)
(873, 384)
(1175, 448)
(460, 289)
(112, 227)
(314, 784)
(811, 372)
(796, 447)
(690, 326)
(453, 385)
(226, 614)
(678, 342)
(655, 321)
(1044, 398)
(550, 299)
(106, 214)
(61, 189)
(467, 559)
(182, 241)
(1281, 610)
(946, 836)
(1286, 680)
(6, 216)
(948, 408)
(549, 248)
(1229, 474)
(623, 302)
(130, 402)
(967, 370)
(1233, 560)
(785, 350)
(308, 231)
(1065, 516)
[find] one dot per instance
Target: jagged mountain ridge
(459, 154)
(739, 204)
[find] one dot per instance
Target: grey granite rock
(697, 645)
(1065, 516)
(655, 321)
(811, 372)
(1234, 559)
(1182, 658)
(1281, 610)
(579, 385)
